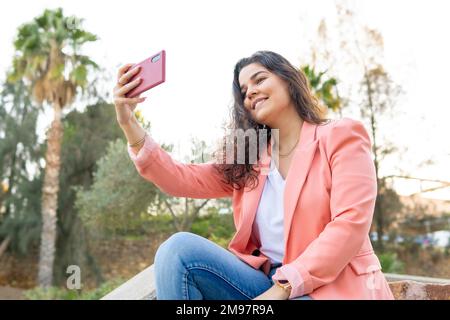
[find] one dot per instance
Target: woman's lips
(259, 104)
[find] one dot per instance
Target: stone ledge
(413, 290)
(404, 287)
(393, 277)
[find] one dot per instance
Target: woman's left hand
(274, 293)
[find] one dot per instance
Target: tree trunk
(378, 212)
(4, 245)
(50, 199)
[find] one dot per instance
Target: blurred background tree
(325, 90)
(20, 153)
(48, 58)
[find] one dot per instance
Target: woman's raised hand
(125, 106)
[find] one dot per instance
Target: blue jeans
(190, 267)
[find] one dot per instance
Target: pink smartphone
(153, 73)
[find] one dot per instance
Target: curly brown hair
(306, 104)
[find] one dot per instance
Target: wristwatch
(284, 284)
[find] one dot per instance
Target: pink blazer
(329, 201)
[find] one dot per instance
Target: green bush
(218, 228)
(161, 223)
(55, 293)
(390, 262)
(52, 293)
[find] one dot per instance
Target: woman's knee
(175, 247)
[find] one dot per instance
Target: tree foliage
(118, 196)
(20, 169)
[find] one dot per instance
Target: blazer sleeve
(199, 181)
(352, 201)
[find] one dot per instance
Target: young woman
(302, 228)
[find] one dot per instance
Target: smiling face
(265, 95)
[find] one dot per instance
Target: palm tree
(47, 57)
(323, 89)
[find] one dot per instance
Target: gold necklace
(285, 155)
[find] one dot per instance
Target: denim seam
(217, 274)
(186, 288)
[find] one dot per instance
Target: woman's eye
(258, 82)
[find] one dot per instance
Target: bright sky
(204, 39)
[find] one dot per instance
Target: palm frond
(46, 55)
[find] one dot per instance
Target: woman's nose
(251, 93)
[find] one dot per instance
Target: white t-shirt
(268, 227)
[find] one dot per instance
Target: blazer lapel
(298, 171)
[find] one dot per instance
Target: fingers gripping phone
(153, 73)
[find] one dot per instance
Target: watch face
(284, 284)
